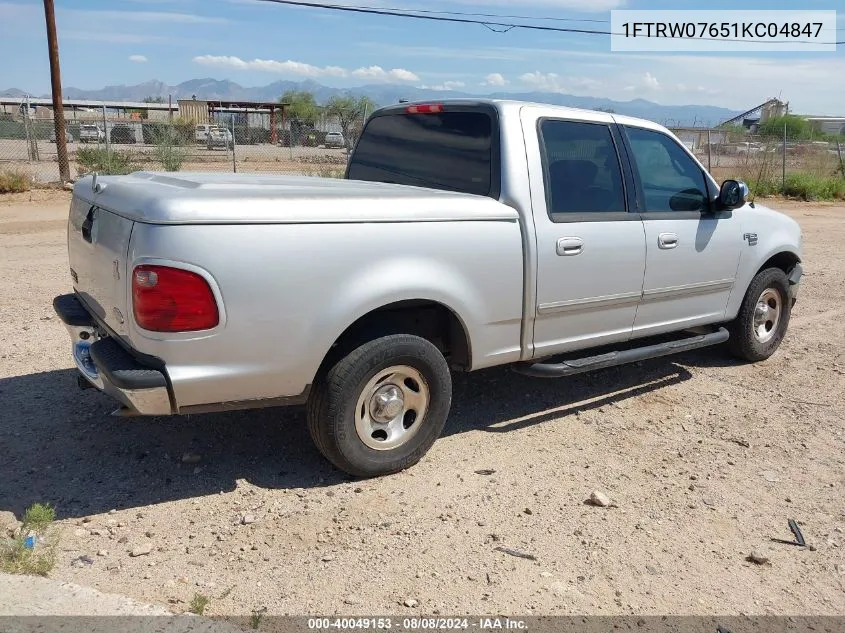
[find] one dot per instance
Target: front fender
(776, 234)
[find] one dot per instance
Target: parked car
(335, 139)
(68, 136)
(91, 134)
(466, 235)
(219, 137)
(201, 132)
(122, 133)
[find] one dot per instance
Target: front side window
(582, 173)
(670, 180)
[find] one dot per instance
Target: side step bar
(612, 359)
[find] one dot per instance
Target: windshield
(445, 150)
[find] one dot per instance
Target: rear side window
(447, 150)
(582, 172)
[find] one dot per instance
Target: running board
(612, 359)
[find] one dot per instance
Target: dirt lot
(705, 458)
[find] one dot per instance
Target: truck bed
(203, 198)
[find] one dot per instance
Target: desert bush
(808, 186)
(198, 604)
(33, 549)
(105, 161)
(170, 148)
(15, 181)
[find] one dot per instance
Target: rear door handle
(568, 246)
(667, 240)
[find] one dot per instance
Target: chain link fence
(767, 164)
(229, 143)
(121, 145)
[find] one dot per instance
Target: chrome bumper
(109, 367)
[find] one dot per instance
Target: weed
(810, 187)
(38, 517)
(324, 171)
(255, 618)
(170, 150)
(37, 557)
(14, 181)
(198, 604)
(105, 161)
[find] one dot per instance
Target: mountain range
(385, 94)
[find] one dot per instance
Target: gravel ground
(704, 460)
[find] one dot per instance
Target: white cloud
(547, 82)
(495, 79)
(403, 75)
(552, 82)
(140, 59)
(269, 65)
(377, 73)
(446, 85)
(289, 67)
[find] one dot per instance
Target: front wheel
(380, 408)
(763, 317)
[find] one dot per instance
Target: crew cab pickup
(466, 234)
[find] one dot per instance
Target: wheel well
(427, 319)
(784, 260)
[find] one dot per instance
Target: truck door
(692, 253)
(590, 245)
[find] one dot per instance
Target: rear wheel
(379, 409)
(763, 317)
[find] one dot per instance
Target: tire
(347, 422)
(755, 336)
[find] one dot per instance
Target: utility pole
(56, 79)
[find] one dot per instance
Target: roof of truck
(503, 104)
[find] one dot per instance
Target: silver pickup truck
(466, 234)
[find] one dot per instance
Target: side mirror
(733, 194)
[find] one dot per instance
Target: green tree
(153, 99)
(350, 113)
(796, 127)
(303, 109)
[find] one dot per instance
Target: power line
(488, 15)
(497, 27)
(403, 13)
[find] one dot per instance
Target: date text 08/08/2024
(417, 624)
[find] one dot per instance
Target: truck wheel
(763, 317)
(380, 408)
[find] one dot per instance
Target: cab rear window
(452, 151)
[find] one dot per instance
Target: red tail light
(426, 108)
(168, 299)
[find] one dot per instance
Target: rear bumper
(107, 365)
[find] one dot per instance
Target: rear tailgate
(98, 243)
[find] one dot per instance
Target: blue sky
(255, 43)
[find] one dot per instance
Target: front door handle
(568, 246)
(667, 240)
